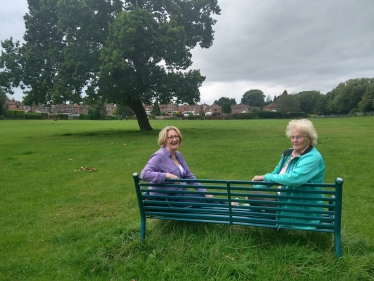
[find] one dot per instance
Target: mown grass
(60, 222)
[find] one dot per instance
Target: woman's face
(172, 141)
(299, 140)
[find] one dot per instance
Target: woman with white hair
(298, 165)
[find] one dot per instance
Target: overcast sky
(272, 45)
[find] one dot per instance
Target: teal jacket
(309, 167)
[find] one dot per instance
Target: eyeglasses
(296, 137)
(173, 137)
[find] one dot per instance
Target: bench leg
(142, 230)
(337, 245)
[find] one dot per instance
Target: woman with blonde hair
(168, 163)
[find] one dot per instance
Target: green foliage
(223, 100)
(226, 108)
(62, 223)
(33, 116)
(367, 102)
(248, 115)
(295, 115)
(123, 110)
(98, 111)
(14, 114)
(254, 98)
(112, 117)
(156, 109)
(192, 117)
(270, 115)
(61, 116)
(2, 101)
(308, 101)
(348, 95)
(288, 103)
(85, 116)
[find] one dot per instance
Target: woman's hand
(171, 176)
(258, 178)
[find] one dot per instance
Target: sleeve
(151, 172)
(304, 170)
(276, 171)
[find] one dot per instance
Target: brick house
(12, 104)
(270, 107)
(240, 108)
(213, 109)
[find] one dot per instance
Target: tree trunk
(137, 106)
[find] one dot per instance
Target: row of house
(198, 109)
(71, 109)
(168, 109)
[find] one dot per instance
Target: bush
(15, 114)
(63, 116)
(293, 115)
(85, 116)
(112, 117)
(19, 113)
(247, 115)
(32, 115)
(270, 115)
(191, 117)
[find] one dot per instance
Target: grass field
(59, 222)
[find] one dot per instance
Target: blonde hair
(305, 126)
(162, 136)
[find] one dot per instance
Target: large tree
(226, 107)
(345, 98)
(367, 102)
(254, 98)
(124, 52)
(308, 101)
(288, 103)
(2, 101)
(222, 100)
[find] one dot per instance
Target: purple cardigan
(160, 163)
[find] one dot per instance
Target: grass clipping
(88, 169)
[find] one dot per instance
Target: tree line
(353, 95)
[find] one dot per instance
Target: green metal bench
(259, 210)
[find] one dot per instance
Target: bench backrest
(314, 207)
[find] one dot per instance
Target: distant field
(60, 221)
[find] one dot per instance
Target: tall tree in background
(124, 52)
(226, 107)
(156, 109)
(222, 100)
(2, 101)
(308, 101)
(367, 102)
(288, 103)
(254, 98)
(345, 98)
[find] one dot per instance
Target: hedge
(33, 116)
(85, 116)
(112, 117)
(14, 114)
